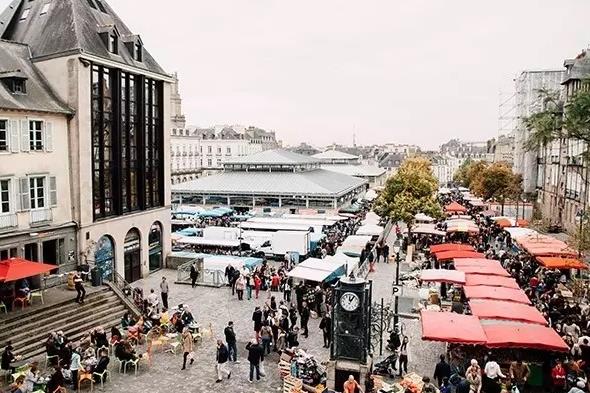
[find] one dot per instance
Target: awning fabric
(451, 327)
(561, 263)
(488, 213)
(423, 217)
(16, 268)
(443, 275)
(544, 245)
(496, 293)
(428, 229)
(451, 247)
(454, 207)
(523, 335)
(489, 270)
(475, 262)
(490, 281)
(504, 223)
(447, 255)
(497, 309)
(370, 229)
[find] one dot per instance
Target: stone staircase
(29, 330)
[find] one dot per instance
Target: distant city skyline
(418, 72)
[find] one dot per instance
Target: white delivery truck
(283, 242)
(221, 233)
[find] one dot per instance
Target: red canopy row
(496, 309)
(443, 275)
(543, 245)
(455, 207)
(496, 293)
(469, 329)
(561, 263)
(451, 247)
(16, 268)
(448, 255)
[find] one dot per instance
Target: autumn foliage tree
(410, 191)
(469, 171)
(497, 182)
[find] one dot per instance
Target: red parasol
(16, 268)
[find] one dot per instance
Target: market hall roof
(64, 27)
(273, 157)
(15, 62)
(334, 155)
(318, 182)
(355, 170)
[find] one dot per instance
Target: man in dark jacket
(230, 338)
(326, 326)
(194, 274)
(101, 366)
(221, 357)
(442, 370)
(255, 356)
(257, 319)
(304, 319)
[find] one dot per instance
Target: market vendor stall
(491, 281)
(489, 270)
(455, 207)
(354, 245)
(476, 262)
(496, 293)
(451, 327)
(522, 335)
(316, 274)
(443, 275)
(511, 311)
(561, 263)
(451, 247)
(427, 229)
(370, 230)
(449, 255)
(421, 217)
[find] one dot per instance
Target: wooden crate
(284, 369)
(292, 384)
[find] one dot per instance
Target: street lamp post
(396, 249)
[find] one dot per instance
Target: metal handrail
(125, 291)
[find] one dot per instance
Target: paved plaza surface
(216, 306)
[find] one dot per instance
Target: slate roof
(15, 60)
(334, 155)
(578, 68)
(355, 170)
(273, 157)
(317, 182)
(70, 26)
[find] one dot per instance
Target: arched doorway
(104, 257)
(132, 249)
(155, 244)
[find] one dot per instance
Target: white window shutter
(52, 191)
(48, 136)
(25, 143)
(13, 128)
(25, 201)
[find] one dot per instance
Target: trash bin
(95, 277)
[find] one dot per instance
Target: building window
(91, 3)
(4, 135)
(45, 8)
(228, 150)
(113, 43)
(209, 149)
(25, 14)
(5, 196)
(37, 192)
(138, 52)
(36, 135)
(218, 150)
(100, 6)
(209, 163)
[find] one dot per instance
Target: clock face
(349, 301)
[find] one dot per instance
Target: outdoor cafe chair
(3, 307)
(22, 300)
(49, 357)
(103, 377)
(36, 294)
(121, 364)
(132, 363)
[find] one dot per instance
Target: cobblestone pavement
(216, 306)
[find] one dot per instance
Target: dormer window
(113, 43)
(25, 14)
(138, 52)
(14, 81)
(19, 86)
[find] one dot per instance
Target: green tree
(469, 171)
(497, 182)
(410, 191)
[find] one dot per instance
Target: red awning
(448, 255)
(489, 270)
(490, 281)
(496, 293)
(561, 263)
(504, 223)
(443, 275)
(16, 268)
(451, 247)
(451, 327)
(454, 207)
(496, 309)
(475, 262)
(525, 335)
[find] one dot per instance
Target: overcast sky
(390, 71)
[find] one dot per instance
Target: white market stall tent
(371, 218)
(318, 270)
(354, 245)
(370, 230)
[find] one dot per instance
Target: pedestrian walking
(257, 319)
(249, 286)
(266, 336)
(239, 287)
(326, 327)
(287, 291)
(292, 316)
(187, 347)
(230, 339)
(304, 314)
(403, 356)
(75, 366)
(257, 285)
(386, 253)
(255, 356)
(194, 274)
(221, 357)
(164, 291)
(79, 285)
(442, 369)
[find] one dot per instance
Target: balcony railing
(8, 221)
(41, 216)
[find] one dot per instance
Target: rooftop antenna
(354, 135)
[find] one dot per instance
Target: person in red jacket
(257, 284)
(276, 280)
(558, 377)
